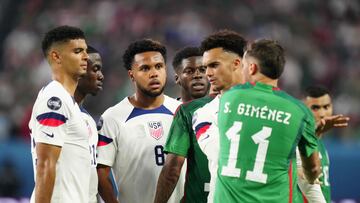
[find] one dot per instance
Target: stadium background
(321, 38)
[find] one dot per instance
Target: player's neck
(79, 96)
(267, 81)
(185, 97)
(143, 101)
(69, 83)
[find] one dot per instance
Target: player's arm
(312, 192)
(312, 167)
(169, 177)
(106, 189)
(308, 148)
(47, 156)
(329, 122)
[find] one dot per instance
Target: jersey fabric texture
(131, 142)
(56, 120)
(182, 141)
(324, 179)
(207, 134)
(93, 140)
(260, 128)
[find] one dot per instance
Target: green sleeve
(178, 141)
(308, 143)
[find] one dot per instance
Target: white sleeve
(312, 192)
(107, 143)
(209, 143)
(50, 124)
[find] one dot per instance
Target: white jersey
(56, 120)
(208, 139)
(93, 140)
(131, 141)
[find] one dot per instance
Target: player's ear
(131, 75)
(54, 56)
(237, 63)
(177, 79)
(253, 69)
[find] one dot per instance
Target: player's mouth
(212, 81)
(100, 85)
(198, 86)
(83, 66)
(155, 84)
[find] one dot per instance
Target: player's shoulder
(198, 103)
(119, 111)
(171, 103)
(294, 101)
(55, 96)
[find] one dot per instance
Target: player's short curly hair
(227, 39)
(183, 54)
(60, 34)
(316, 91)
(270, 55)
(142, 46)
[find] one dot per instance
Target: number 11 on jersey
(259, 138)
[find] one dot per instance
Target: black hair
(227, 39)
(142, 46)
(91, 50)
(60, 34)
(316, 91)
(185, 53)
(270, 55)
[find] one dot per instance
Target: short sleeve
(108, 129)
(51, 120)
(308, 142)
(178, 141)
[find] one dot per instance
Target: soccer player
(91, 83)
(134, 131)
(260, 127)
(318, 99)
(59, 135)
(190, 73)
(226, 51)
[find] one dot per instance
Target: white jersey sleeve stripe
(51, 119)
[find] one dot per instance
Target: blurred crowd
(321, 39)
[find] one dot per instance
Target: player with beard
(190, 73)
(182, 142)
(318, 99)
(132, 133)
(91, 83)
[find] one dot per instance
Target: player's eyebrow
(211, 64)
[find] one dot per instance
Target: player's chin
(198, 94)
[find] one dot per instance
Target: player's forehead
(322, 100)
(216, 55)
(95, 58)
(148, 58)
(73, 44)
(192, 61)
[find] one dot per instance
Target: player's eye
(158, 66)
(188, 71)
(315, 108)
(202, 69)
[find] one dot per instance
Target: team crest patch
(54, 103)
(156, 129)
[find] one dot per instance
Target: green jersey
(182, 141)
(260, 128)
(324, 179)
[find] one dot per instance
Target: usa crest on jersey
(156, 129)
